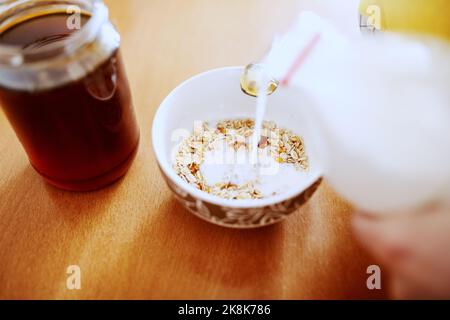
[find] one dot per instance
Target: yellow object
(429, 17)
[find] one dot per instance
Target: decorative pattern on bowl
(242, 218)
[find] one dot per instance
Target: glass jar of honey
(64, 90)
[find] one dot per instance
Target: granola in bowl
(215, 145)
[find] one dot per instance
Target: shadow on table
(45, 229)
(28, 190)
(150, 247)
(311, 255)
(202, 260)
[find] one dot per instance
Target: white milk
(261, 105)
(225, 164)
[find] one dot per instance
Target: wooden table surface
(133, 240)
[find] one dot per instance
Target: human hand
(413, 247)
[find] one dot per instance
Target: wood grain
(133, 240)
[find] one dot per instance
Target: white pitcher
(379, 108)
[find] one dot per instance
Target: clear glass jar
(63, 88)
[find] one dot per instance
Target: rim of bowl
(194, 192)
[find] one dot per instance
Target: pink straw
(301, 58)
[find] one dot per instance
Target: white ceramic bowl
(216, 95)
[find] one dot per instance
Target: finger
(386, 239)
(414, 247)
